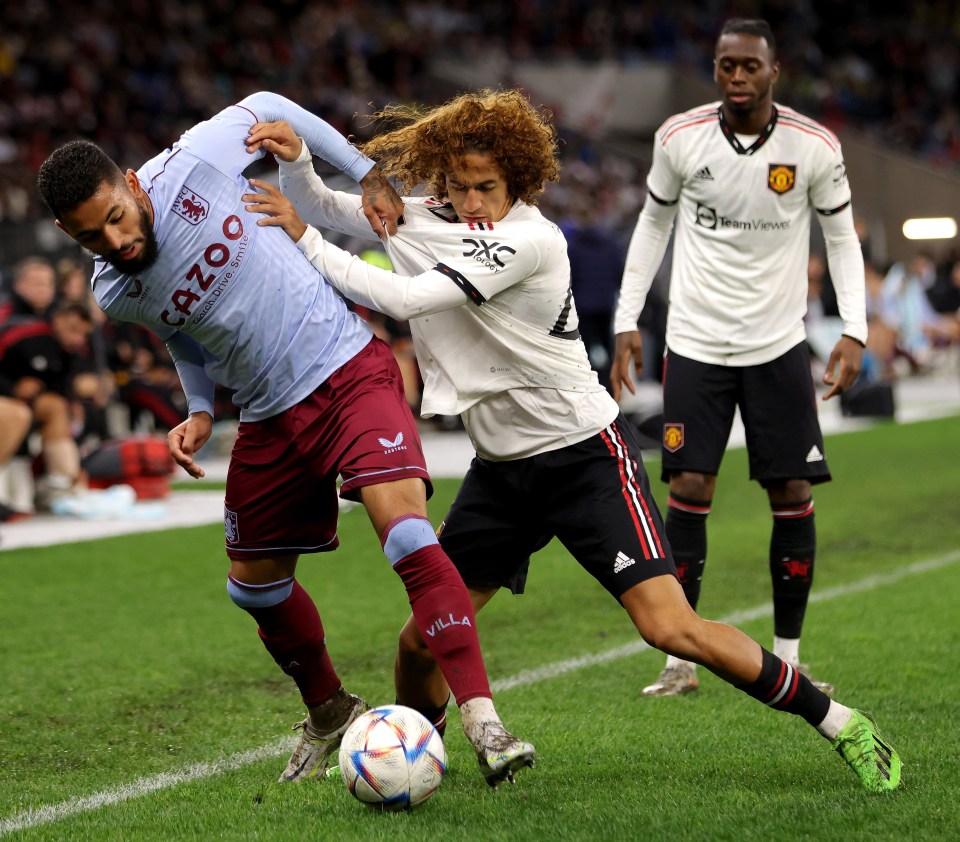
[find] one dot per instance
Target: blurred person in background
(40, 360)
(905, 305)
(740, 179)
(15, 422)
(596, 266)
(33, 290)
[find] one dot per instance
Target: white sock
(787, 649)
(837, 716)
(474, 714)
(678, 662)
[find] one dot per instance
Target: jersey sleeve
(319, 205)
(323, 139)
(221, 140)
(189, 359)
(451, 283)
(663, 180)
(830, 190)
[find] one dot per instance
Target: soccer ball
(392, 757)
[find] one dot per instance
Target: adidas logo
(622, 562)
(392, 446)
(703, 174)
(814, 455)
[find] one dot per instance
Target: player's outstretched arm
(382, 205)
(627, 347)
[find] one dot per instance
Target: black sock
(686, 528)
(793, 546)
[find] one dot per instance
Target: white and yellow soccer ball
(392, 757)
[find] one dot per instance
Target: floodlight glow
(934, 228)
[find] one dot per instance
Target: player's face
(115, 225)
(477, 189)
(745, 72)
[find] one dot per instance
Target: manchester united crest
(672, 437)
(781, 177)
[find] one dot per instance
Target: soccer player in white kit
(739, 179)
(486, 284)
(319, 397)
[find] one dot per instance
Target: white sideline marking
(55, 812)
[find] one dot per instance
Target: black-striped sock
(782, 687)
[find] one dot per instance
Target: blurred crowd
(133, 77)
(913, 313)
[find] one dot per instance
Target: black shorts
(594, 496)
(778, 406)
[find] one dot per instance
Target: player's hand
(627, 347)
(277, 138)
(187, 438)
(278, 209)
(382, 205)
(843, 367)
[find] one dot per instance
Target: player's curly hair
(521, 139)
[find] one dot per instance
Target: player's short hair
(73, 173)
(756, 27)
(518, 136)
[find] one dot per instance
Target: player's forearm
(317, 204)
(323, 139)
(197, 386)
(845, 261)
(647, 247)
(379, 289)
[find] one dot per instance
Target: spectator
(38, 361)
(596, 266)
(906, 307)
(32, 290)
(15, 421)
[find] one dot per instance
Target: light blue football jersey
(269, 324)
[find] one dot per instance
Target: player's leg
(787, 457)
(418, 680)
(380, 458)
(614, 530)
(489, 536)
(444, 616)
(699, 406)
(276, 508)
(666, 621)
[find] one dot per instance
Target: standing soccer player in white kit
(740, 180)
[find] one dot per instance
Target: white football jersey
(738, 288)
(491, 313)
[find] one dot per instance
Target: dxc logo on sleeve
(489, 254)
